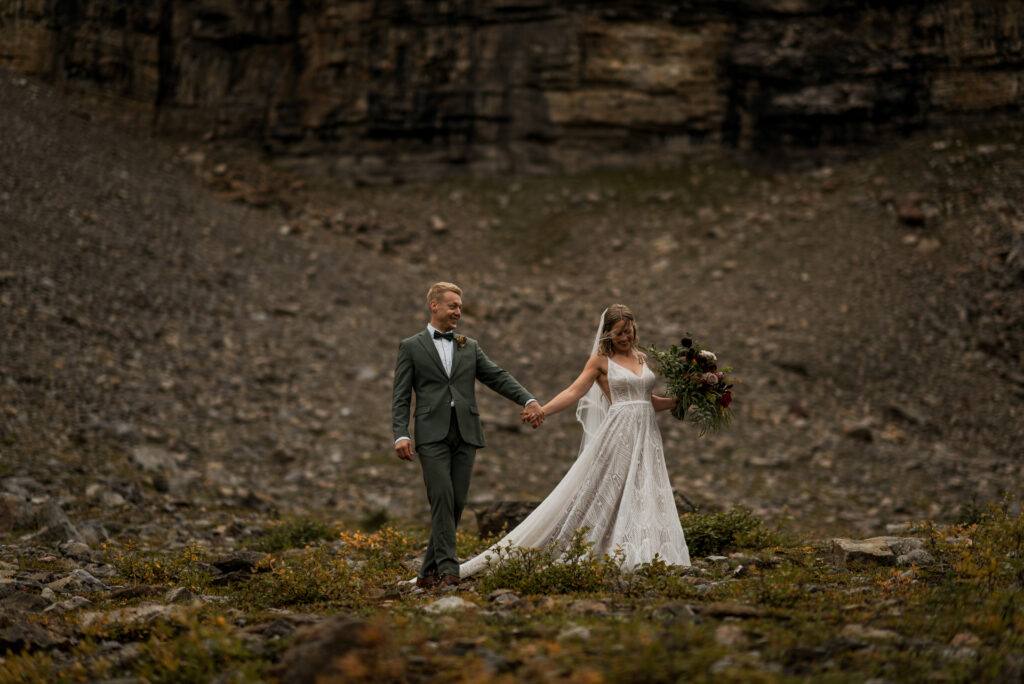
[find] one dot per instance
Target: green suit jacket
(419, 369)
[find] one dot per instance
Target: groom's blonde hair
(438, 289)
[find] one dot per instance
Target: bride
(618, 487)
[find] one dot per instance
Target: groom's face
(446, 311)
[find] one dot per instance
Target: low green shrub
(552, 570)
(319, 576)
(186, 568)
(293, 534)
(708, 534)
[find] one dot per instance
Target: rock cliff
(394, 89)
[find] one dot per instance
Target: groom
(442, 368)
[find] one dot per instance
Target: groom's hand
(404, 450)
(534, 414)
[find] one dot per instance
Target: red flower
(725, 399)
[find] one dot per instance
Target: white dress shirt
(445, 349)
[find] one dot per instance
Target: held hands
(533, 414)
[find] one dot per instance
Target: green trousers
(447, 468)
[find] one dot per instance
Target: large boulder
(885, 551)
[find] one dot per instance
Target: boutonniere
(461, 341)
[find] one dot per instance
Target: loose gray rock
(584, 607)
(317, 653)
(179, 594)
(904, 545)
(155, 459)
(279, 628)
(507, 599)
(238, 561)
(674, 612)
(144, 613)
(918, 557)
(53, 524)
(730, 635)
(15, 513)
(21, 602)
(77, 550)
(93, 532)
(28, 636)
(21, 487)
(73, 603)
(107, 498)
(79, 581)
(449, 604)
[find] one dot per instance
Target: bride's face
(622, 336)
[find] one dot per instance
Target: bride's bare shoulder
(598, 362)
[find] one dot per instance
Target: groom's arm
(401, 400)
(500, 380)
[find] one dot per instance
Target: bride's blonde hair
(614, 314)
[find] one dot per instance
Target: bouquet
(691, 373)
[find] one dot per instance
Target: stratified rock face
(393, 88)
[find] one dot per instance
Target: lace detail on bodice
(625, 385)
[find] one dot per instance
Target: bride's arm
(663, 403)
(571, 394)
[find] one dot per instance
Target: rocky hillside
(191, 326)
(379, 91)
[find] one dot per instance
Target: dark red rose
(725, 399)
(685, 342)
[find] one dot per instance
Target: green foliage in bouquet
(691, 373)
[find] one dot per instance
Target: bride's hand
(533, 413)
(663, 403)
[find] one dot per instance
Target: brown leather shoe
(428, 581)
(449, 581)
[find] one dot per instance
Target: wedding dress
(618, 487)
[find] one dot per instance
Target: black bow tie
(448, 335)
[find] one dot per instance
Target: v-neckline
(635, 375)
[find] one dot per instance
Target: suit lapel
(456, 355)
(431, 350)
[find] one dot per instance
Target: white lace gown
(618, 488)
